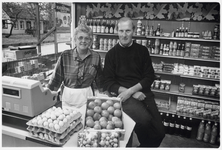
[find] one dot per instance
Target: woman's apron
(75, 98)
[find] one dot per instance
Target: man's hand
(125, 95)
(139, 95)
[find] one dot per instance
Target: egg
(45, 124)
(53, 108)
(46, 136)
(55, 122)
(34, 121)
(49, 120)
(47, 115)
(61, 123)
(53, 116)
(40, 122)
(57, 113)
(65, 120)
(39, 118)
(66, 112)
(44, 119)
(68, 117)
(56, 127)
(51, 125)
(61, 117)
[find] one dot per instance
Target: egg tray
(55, 140)
(60, 130)
(36, 130)
(86, 138)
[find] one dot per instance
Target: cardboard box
(89, 106)
(20, 54)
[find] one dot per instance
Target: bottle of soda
(166, 123)
(214, 133)
(207, 133)
(201, 130)
(189, 128)
(162, 116)
(172, 124)
(177, 126)
(183, 126)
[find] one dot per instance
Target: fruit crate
(104, 114)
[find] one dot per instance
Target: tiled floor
(180, 142)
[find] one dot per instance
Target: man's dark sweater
(127, 67)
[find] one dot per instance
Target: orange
(105, 106)
(103, 124)
(98, 102)
(117, 113)
(98, 109)
(117, 105)
(111, 109)
(96, 116)
(90, 123)
(97, 126)
(110, 102)
(105, 113)
(90, 112)
(118, 124)
(91, 105)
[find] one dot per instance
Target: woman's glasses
(81, 38)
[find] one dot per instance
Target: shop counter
(15, 136)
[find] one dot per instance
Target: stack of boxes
(200, 51)
(198, 108)
(26, 65)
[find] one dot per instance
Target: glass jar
(182, 87)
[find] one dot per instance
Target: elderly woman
(77, 69)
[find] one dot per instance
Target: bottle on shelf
(143, 30)
(147, 31)
(158, 30)
(214, 133)
(149, 47)
(98, 29)
(183, 126)
(200, 131)
(90, 23)
(157, 45)
(178, 49)
(189, 127)
(161, 49)
(172, 124)
(182, 32)
(177, 32)
(103, 26)
(171, 48)
(182, 51)
(115, 29)
(107, 26)
(94, 27)
(186, 33)
(207, 133)
(151, 31)
(177, 125)
(174, 48)
(162, 116)
(166, 123)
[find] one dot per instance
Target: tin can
(182, 87)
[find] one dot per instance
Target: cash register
(25, 96)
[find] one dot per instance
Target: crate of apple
(98, 139)
(104, 114)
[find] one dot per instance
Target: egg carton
(55, 140)
(55, 119)
(54, 134)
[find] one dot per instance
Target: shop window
(21, 24)
(28, 25)
(4, 24)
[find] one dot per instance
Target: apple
(97, 109)
(91, 105)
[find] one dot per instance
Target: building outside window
(4, 24)
(22, 25)
(16, 25)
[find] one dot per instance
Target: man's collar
(126, 46)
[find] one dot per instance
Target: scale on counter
(25, 96)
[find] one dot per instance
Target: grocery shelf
(182, 39)
(166, 56)
(200, 78)
(188, 93)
